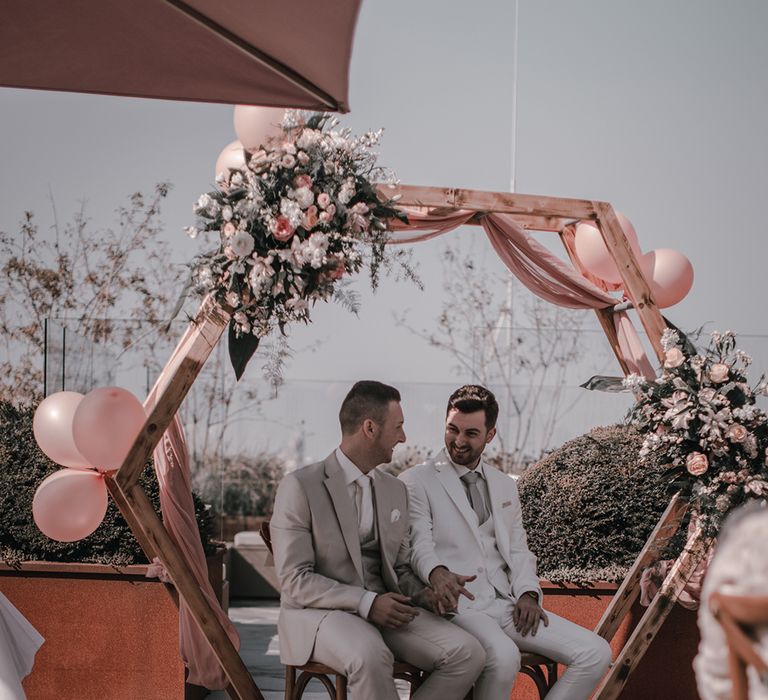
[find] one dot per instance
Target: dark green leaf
(241, 349)
(601, 383)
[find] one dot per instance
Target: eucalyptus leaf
(241, 349)
(613, 385)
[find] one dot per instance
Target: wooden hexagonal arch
(535, 212)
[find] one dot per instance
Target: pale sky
(658, 107)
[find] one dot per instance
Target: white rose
(242, 244)
(718, 373)
(673, 358)
(304, 197)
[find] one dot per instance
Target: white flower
(314, 250)
(291, 210)
(304, 197)
(346, 192)
(308, 138)
(669, 339)
(191, 231)
(633, 382)
(288, 161)
(242, 243)
(226, 213)
(236, 179)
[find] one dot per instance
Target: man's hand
(392, 611)
(427, 599)
(528, 613)
(448, 587)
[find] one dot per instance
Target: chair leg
(290, 682)
(341, 687)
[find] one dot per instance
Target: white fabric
(586, 655)
(19, 642)
(739, 567)
(352, 474)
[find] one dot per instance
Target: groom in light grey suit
(468, 542)
(340, 532)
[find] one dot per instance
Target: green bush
(23, 466)
(589, 506)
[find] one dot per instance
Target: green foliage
(589, 506)
(242, 485)
(23, 466)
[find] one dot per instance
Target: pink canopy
(280, 54)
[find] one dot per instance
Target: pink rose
(673, 358)
(310, 218)
(229, 229)
(718, 373)
(324, 217)
(737, 433)
(696, 463)
(323, 200)
(303, 180)
(283, 229)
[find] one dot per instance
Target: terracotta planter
(666, 669)
(109, 632)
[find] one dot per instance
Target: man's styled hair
(473, 397)
(366, 399)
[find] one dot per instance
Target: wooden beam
(183, 368)
(634, 280)
(137, 528)
(605, 316)
(628, 592)
(498, 202)
(242, 684)
(645, 632)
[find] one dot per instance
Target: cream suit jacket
(317, 550)
(444, 527)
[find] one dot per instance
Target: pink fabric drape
(172, 466)
(539, 270)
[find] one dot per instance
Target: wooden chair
(541, 670)
(736, 615)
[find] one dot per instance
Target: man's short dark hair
(366, 399)
(473, 397)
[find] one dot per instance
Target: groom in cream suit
(342, 555)
(468, 542)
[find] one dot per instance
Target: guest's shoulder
(418, 471)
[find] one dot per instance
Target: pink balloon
(669, 274)
(70, 504)
(255, 126)
(231, 158)
(594, 254)
(52, 427)
(106, 424)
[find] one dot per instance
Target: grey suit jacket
(317, 550)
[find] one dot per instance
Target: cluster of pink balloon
(254, 126)
(78, 432)
(669, 273)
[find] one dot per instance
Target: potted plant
(110, 631)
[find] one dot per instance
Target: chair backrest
(265, 535)
(737, 614)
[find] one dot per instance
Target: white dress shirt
(351, 474)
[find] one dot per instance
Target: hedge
(23, 466)
(589, 506)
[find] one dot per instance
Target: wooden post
(186, 364)
(665, 529)
(653, 618)
(634, 281)
(241, 682)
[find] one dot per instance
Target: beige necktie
(364, 501)
(475, 497)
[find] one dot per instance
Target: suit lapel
(448, 477)
(496, 492)
(337, 488)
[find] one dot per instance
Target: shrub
(241, 485)
(589, 507)
(23, 466)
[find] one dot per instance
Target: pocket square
(395, 516)
(506, 503)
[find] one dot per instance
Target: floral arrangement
(702, 417)
(301, 215)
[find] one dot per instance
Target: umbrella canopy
(280, 53)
